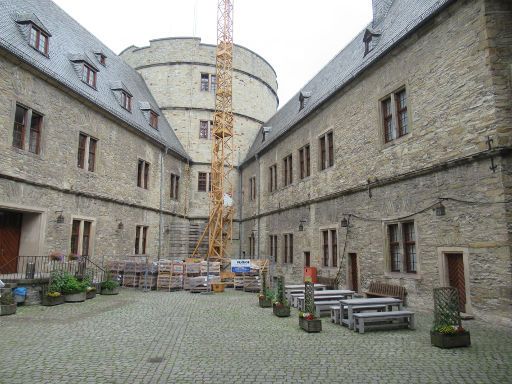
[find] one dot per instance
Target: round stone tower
(180, 73)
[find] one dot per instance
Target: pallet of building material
(176, 282)
(228, 279)
(130, 280)
(214, 267)
(192, 268)
(133, 266)
(238, 282)
(251, 284)
(147, 282)
(178, 267)
(195, 284)
(115, 267)
(164, 266)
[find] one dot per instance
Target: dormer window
(39, 40)
(89, 76)
(303, 98)
(370, 39)
(264, 132)
(126, 101)
(153, 119)
(101, 57)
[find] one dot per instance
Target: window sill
(27, 153)
(403, 275)
(326, 169)
(47, 55)
(398, 141)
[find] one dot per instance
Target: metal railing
(40, 267)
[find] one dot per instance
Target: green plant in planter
(72, 285)
(109, 285)
(281, 307)
(7, 299)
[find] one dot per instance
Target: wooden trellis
(446, 307)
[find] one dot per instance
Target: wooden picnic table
(352, 304)
(332, 294)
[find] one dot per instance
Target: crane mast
(220, 223)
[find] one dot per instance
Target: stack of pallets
(163, 280)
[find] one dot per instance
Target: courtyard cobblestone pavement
(179, 337)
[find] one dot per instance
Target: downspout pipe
(258, 186)
(163, 153)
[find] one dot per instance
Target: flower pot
(75, 297)
(456, 340)
(50, 301)
(8, 309)
(310, 326)
(90, 295)
(114, 291)
(218, 287)
(265, 303)
(281, 311)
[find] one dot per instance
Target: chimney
(380, 10)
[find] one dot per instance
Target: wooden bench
(300, 300)
(386, 290)
(383, 320)
(336, 311)
(323, 306)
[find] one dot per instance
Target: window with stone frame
(208, 83)
(175, 186)
(402, 247)
(20, 140)
(304, 162)
(86, 152)
(205, 129)
(395, 120)
(143, 174)
(273, 247)
(153, 120)
(252, 245)
(272, 178)
(326, 143)
(288, 248)
(329, 248)
(80, 237)
(287, 170)
(252, 188)
(204, 180)
(141, 238)
(39, 40)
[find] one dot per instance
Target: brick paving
(179, 337)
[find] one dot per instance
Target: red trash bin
(310, 273)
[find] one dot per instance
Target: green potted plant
(7, 303)
(74, 290)
(447, 331)
(265, 296)
(280, 307)
(53, 294)
(109, 287)
(307, 319)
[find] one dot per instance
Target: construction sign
(240, 265)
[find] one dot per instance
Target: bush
(7, 299)
(109, 285)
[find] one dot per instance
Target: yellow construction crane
(220, 223)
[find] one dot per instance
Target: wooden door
(353, 272)
(10, 233)
(307, 259)
(456, 277)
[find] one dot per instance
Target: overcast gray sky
(297, 37)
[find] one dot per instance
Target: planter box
(75, 297)
(114, 291)
(90, 295)
(265, 303)
(309, 326)
(7, 309)
(49, 301)
(281, 311)
(450, 341)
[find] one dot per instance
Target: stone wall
(454, 103)
(51, 181)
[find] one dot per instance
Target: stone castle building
(392, 164)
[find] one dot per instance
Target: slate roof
(69, 40)
(403, 17)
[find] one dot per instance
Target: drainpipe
(161, 218)
(240, 224)
(258, 185)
